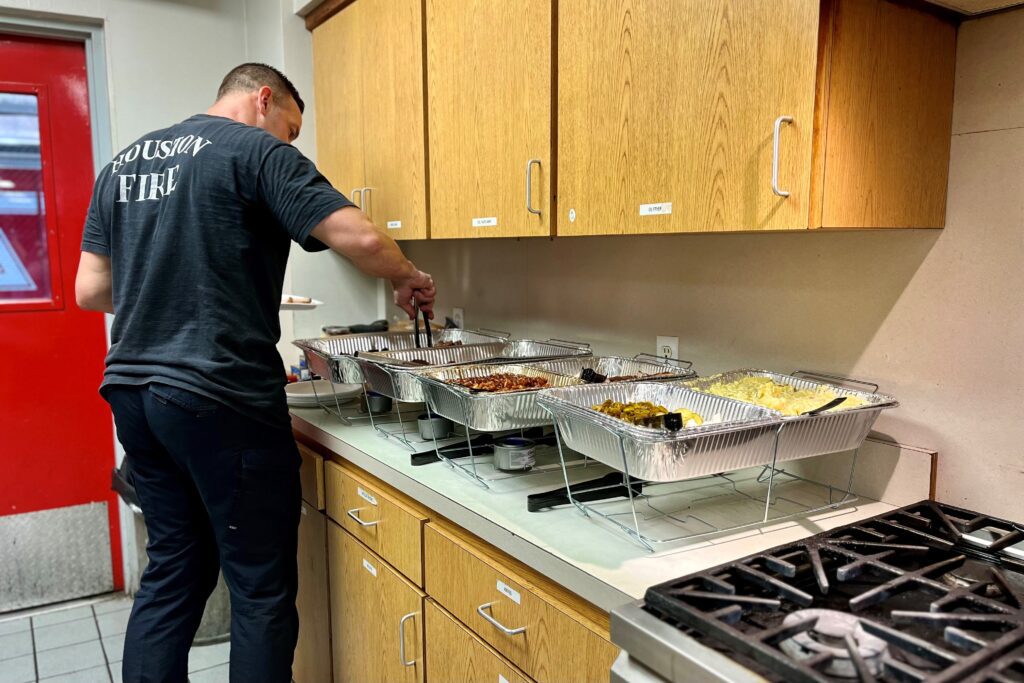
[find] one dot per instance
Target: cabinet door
(666, 112)
(313, 651)
(458, 655)
(376, 616)
(337, 68)
(489, 113)
(393, 117)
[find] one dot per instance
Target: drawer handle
(354, 514)
(775, 155)
(483, 610)
(358, 191)
(401, 639)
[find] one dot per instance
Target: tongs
(426, 324)
(828, 406)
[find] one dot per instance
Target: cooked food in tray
(446, 344)
(501, 381)
(785, 398)
(647, 414)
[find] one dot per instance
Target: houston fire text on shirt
(151, 186)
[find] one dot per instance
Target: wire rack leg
(771, 476)
(565, 472)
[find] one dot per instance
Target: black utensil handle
(426, 326)
(828, 406)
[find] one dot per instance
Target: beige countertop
(586, 554)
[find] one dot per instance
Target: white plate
(300, 394)
(285, 306)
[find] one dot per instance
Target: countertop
(584, 554)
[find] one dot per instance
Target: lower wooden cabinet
(455, 655)
(376, 616)
(312, 662)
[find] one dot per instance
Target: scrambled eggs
(786, 399)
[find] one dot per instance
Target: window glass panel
(24, 250)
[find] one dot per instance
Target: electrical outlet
(667, 347)
(459, 317)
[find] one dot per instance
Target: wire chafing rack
(670, 486)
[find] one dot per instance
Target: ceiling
(972, 7)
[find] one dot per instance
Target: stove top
(929, 592)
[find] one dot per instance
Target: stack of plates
(301, 394)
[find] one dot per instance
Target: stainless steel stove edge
(666, 651)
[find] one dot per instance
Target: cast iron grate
(929, 592)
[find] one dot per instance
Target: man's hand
(418, 287)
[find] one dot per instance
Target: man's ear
(263, 97)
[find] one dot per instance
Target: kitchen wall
(936, 317)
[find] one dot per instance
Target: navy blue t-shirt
(197, 220)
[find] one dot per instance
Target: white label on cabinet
(490, 222)
(509, 592)
(369, 567)
(502, 679)
(394, 225)
(572, 215)
(655, 209)
(366, 496)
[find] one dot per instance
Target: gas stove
(928, 592)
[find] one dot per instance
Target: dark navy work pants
(219, 491)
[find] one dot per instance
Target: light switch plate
(667, 347)
(459, 318)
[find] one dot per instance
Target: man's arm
(93, 284)
(350, 233)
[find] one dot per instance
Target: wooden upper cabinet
(339, 106)
(667, 109)
(368, 71)
(393, 111)
(489, 83)
(886, 116)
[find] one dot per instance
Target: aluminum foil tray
(523, 350)
(391, 372)
(617, 366)
(488, 411)
(806, 436)
(741, 435)
(331, 357)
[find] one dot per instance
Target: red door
(58, 518)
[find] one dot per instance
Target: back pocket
(194, 404)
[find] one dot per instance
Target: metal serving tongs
(426, 324)
(828, 406)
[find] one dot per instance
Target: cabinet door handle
(357, 191)
(401, 639)
(366, 198)
(529, 185)
(483, 610)
(354, 514)
(775, 155)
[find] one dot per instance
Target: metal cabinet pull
(482, 611)
(401, 639)
(529, 185)
(354, 514)
(366, 197)
(775, 155)
(357, 191)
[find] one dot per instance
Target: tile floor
(81, 642)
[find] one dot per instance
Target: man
(186, 242)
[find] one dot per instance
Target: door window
(25, 258)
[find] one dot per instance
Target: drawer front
(381, 522)
(458, 655)
(311, 476)
(534, 631)
(376, 617)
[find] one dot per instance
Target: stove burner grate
(900, 597)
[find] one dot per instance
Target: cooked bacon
(502, 381)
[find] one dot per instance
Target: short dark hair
(252, 75)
